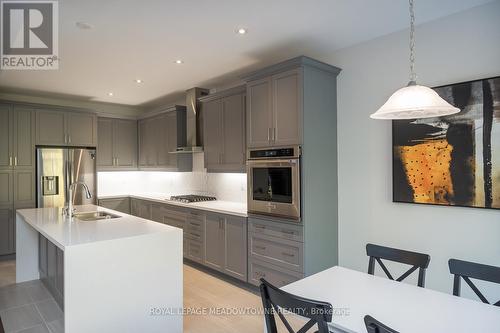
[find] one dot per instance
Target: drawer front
(276, 229)
(194, 235)
(273, 274)
(281, 252)
(195, 251)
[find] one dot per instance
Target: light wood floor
(201, 291)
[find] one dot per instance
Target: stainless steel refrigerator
(57, 168)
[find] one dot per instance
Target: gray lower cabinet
(275, 251)
(117, 144)
(226, 244)
(66, 128)
(194, 232)
(51, 268)
(140, 208)
(118, 204)
(224, 131)
(17, 165)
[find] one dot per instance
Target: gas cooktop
(192, 198)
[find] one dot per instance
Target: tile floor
(29, 308)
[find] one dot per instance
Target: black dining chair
(277, 301)
(418, 261)
(374, 326)
(467, 270)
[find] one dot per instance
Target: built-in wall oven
(274, 181)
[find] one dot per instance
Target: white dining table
(401, 306)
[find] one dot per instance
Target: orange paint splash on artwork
(427, 167)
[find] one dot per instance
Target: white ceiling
(142, 39)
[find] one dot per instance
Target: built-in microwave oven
(274, 181)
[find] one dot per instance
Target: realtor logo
(29, 35)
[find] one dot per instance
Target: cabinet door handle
(288, 232)
(69, 138)
(274, 134)
(260, 226)
(10, 160)
(288, 254)
(195, 235)
(268, 134)
(15, 161)
(260, 247)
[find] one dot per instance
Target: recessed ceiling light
(110, 94)
(84, 25)
(138, 81)
(242, 31)
(179, 61)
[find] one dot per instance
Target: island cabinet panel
(6, 219)
(17, 165)
(224, 130)
(51, 268)
(117, 144)
(118, 204)
(66, 128)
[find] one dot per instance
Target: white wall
(461, 47)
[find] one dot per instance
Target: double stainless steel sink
(94, 216)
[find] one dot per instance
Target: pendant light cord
(413, 75)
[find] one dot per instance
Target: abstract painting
(452, 160)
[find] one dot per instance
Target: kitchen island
(122, 274)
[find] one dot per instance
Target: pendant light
(414, 101)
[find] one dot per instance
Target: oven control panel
(270, 153)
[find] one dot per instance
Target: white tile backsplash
(224, 186)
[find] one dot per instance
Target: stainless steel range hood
(194, 121)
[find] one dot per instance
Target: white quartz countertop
(217, 206)
(59, 230)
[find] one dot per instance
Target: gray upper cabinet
(259, 113)
(224, 131)
(17, 164)
(64, 128)
(81, 129)
(105, 157)
(51, 128)
(212, 141)
(274, 116)
(159, 136)
(287, 108)
(6, 136)
(24, 137)
(117, 144)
